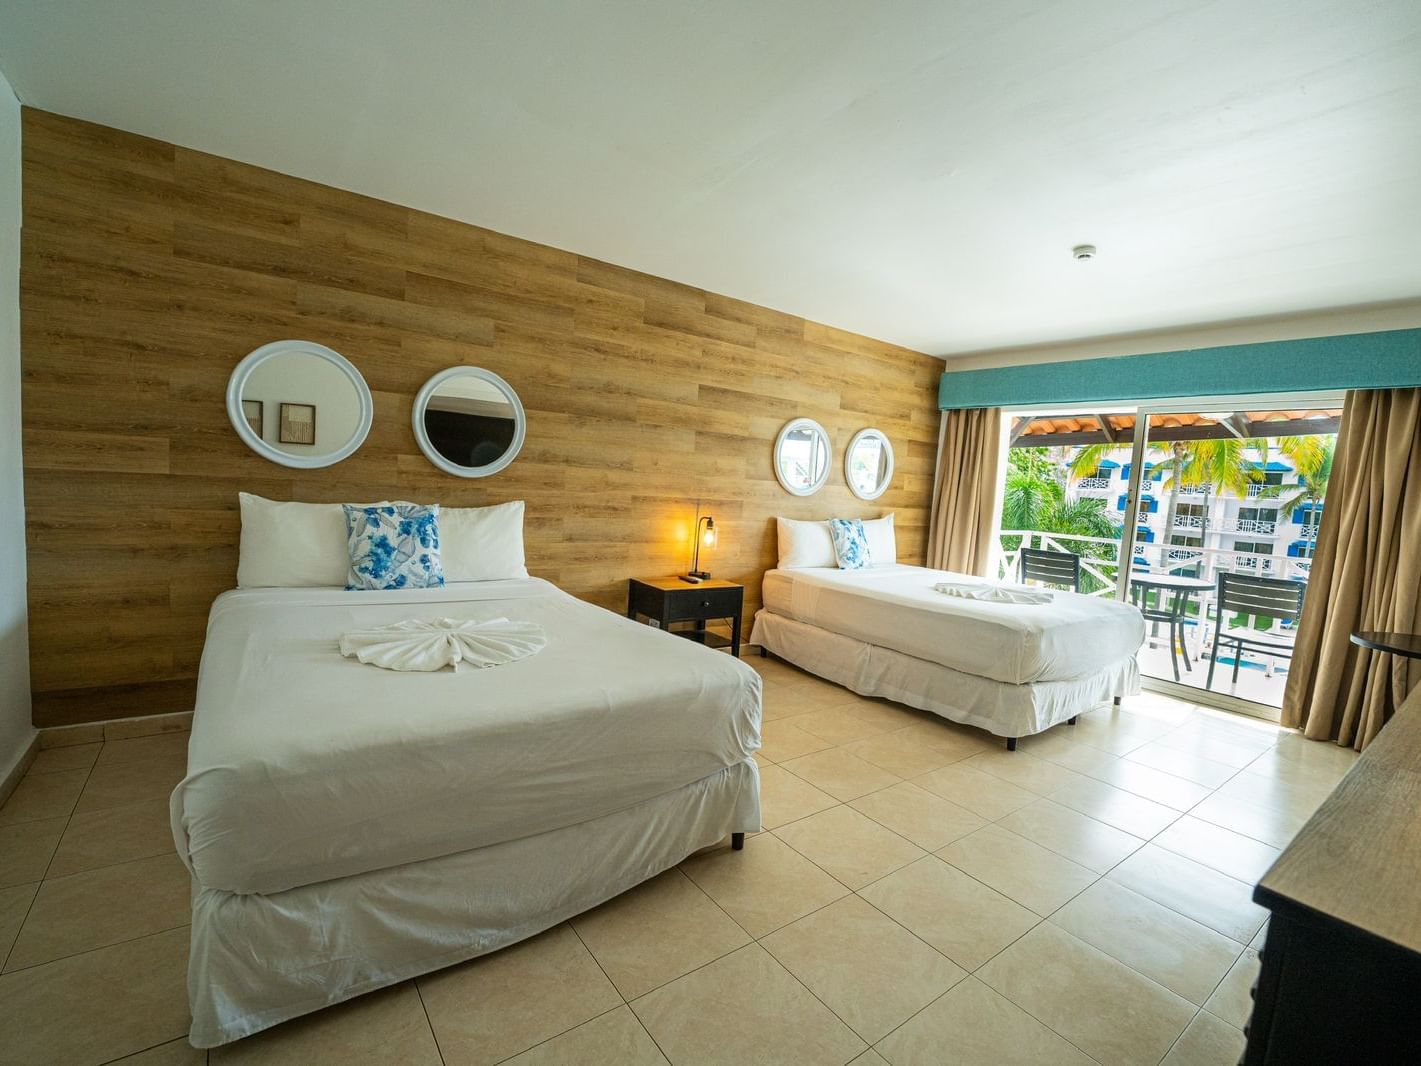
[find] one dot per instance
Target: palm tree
(1035, 499)
(1223, 463)
(1312, 459)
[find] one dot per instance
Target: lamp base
(695, 577)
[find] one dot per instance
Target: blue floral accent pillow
(850, 543)
(393, 546)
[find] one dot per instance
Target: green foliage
(1035, 499)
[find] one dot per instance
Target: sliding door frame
(1139, 445)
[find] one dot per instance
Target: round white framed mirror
(299, 404)
(802, 457)
(868, 464)
(469, 422)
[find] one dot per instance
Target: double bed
(1013, 669)
(349, 827)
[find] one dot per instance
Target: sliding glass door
(1218, 501)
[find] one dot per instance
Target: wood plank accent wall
(150, 270)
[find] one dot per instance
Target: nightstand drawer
(695, 604)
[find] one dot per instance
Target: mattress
(896, 607)
(305, 766)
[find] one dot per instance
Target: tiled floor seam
(88, 951)
(555, 1036)
(1180, 1037)
(433, 1035)
(20, 929)
(145, 1050)
(1112, 958)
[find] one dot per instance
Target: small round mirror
(868, 464)
(299, 404)
(802, 453)
(469, 421)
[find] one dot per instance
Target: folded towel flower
(986, 593)
(426, 646)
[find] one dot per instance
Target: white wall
(15, 728)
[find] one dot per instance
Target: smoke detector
(1083, 251)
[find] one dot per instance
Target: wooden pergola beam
(1296, 427)
(1237, 425)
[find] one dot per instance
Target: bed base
(866, 669)
(257, 960)
(1011, 741)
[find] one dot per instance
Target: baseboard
(65, 736)
(12, 778)
(107, 703)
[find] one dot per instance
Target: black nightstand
(669, 599)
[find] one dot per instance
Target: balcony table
(1183, 589)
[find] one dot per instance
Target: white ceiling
(915, 171)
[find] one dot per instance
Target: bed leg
(737, 841)
(1011, 743)
(1072, 720)
(763, 653)
(1117, 701)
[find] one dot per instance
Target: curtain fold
(1366, 574)
(967, 495)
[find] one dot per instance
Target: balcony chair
(1261, 597)
(1061, 569)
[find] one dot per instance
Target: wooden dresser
(1341, 966)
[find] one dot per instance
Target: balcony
(1204, 489)
(1093, 484)
(1188, 521)
(1261, 678)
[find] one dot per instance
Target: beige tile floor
(919, 896)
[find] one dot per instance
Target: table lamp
(708, 538)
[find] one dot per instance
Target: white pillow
(291, 545)
(882, 542)
(482, 543)
(805, 544)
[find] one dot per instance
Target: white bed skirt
(257, 960)
(1002, 709)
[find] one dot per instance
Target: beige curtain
(965, 497)
(1366, 574)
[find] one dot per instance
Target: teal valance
(1386, 360)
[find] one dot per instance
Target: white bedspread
(897, 607)
(305, 766)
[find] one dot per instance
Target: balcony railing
(1251, 525)
(1189, 521)
(1154, 558)
(1308, 533)
(1203, 489)
(1091, 484)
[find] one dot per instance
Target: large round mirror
(802, 453)
(868, 464)
(299, 404)
(469, 421)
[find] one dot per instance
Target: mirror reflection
(469, 421)
(802, 456)
(299, 404)
(868, 464)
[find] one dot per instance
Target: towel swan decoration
(416, 645)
